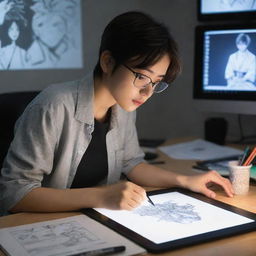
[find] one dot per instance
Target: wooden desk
(240, 245)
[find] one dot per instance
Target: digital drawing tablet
(179, 218)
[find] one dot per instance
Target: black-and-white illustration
(40, 34)
(170, 212)
(240, 71)
(220, 6)
(54, 237)
(229, 61)
(236, 4)
(174, 216)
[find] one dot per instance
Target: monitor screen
(225, 65)
(226, 9)
(37, 34)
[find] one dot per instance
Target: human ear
(107, 62)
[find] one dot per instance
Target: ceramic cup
(239, 177)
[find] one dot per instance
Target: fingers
(123, 196)
(133, 195)
(218, 179)
(209, 193)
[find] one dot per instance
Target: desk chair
(11, 107)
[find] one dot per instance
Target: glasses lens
(141, 81)
(161, 86)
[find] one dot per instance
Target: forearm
(152, 176)
(58, 200)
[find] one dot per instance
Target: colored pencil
(250, 157)
(245, 154)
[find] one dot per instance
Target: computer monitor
(225, 68)
(226, 9)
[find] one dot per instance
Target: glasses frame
(136, 74)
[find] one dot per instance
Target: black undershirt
(93, 167)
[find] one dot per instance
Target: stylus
(104, 251)
(150, 200)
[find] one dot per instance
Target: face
(120, 83)
(14, 31)
(241, 46)
(49, 28)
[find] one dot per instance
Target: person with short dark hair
(74, 140)
(240, 71)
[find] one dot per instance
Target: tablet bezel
(187, 241)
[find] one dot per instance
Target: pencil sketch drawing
(52, 238)
(40, 34)
(170, 212)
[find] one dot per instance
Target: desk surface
(236, 246)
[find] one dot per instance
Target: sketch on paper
(40, 34)
(170, 212)
(54, 237)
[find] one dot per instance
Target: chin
(128, 108)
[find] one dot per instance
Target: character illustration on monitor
(38, 34)
(241, 66)
(228, 6)
(170, 212)
(229, 60)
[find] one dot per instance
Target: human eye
(141, 77)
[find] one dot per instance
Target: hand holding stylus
(122, 196)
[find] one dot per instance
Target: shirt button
(90, 128)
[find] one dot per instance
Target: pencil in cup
(250, 157)
(245, 155)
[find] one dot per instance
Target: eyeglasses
(142, 82)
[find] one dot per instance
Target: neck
(103, 100)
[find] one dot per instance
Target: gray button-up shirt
(52, 135)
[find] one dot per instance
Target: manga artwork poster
(40, 34)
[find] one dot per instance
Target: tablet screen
(176, 216)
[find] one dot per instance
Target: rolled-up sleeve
(30, 155)
(133, 154)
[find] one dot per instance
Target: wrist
(181, 181)
(92, 197)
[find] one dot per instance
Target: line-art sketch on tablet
(54, 237)
(170, 211)
(174, 216)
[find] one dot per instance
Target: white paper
(62, 237)
(199, 150)
(175, 216)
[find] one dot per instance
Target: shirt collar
(85, 94)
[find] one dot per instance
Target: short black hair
(137, 36)
(243, 38)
